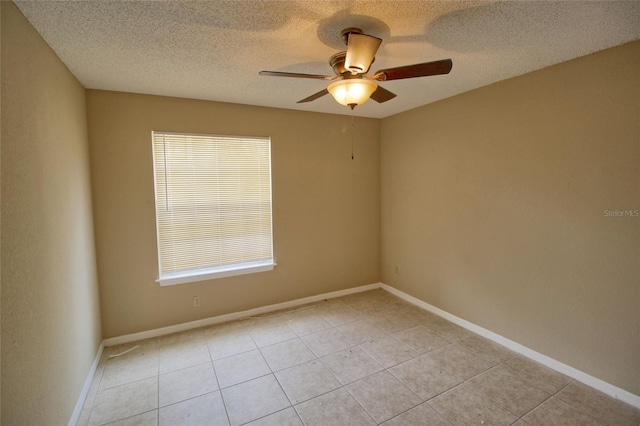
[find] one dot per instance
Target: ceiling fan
(352, 86)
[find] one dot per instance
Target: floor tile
(139, 363)
(419, 314)
(508, 390)
(424, 377)
(150, 418)
(355, 298)
(486, 349)
(421, 339)
(378, 307)
(254, 399)
(223, 343)
(464, 405)
(306, 381)
(240, 368)
(125, 401)
(326, 342)
(383, 396)
(447, 329)
(389, 351)
(206, 409)
(180, 355)
(351, 365)
(360, 332)
(537, 374)
(269, 331)
(186, 383)
(307, 322)
(333, 408)
(421, 415)
(458, 361)
(287, 354)
(394, 322)
(341, 314)
(286, 417)
(557, 412)
(599, 406)
(410, 357)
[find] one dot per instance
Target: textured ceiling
(214, 49)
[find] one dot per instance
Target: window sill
(214, 273)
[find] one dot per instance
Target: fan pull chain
(352, 135)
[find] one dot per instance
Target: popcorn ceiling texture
(213, 50)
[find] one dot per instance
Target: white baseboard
(558, 366)
(128, 338)
(75, 416)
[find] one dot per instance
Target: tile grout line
(423, 401)
(215, 374)
(438, 411)
(468, 380)
(344, 386)
(317, 358)
(360, 404)
(479, 390)
(129, 417)
(547, 399)
(291, 405)
(274, 376)
(520, 417)
(426, 401)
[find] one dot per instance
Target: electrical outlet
(396, 269)
(196, 301)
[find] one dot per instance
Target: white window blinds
(213, 205)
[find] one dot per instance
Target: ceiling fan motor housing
(337, 63)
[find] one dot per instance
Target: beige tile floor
(368, 358)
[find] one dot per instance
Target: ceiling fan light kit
(352, 86)
(352, 92)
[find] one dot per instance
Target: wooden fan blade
(417, 70)
(361, 51)
(314, 96)
(382, 95)
(295, 75)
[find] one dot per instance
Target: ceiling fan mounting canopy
(352, 85)
(344, 34)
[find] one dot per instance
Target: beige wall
(50, 309)
(325, 207)
(493, 209)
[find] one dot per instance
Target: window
(213, 206)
